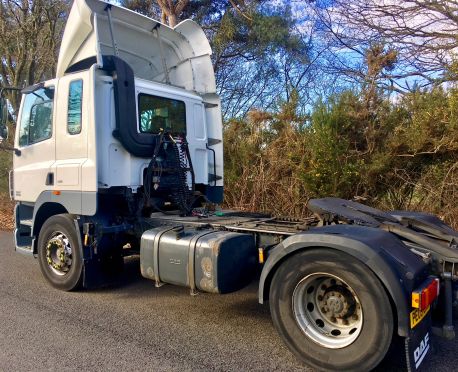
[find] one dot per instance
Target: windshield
(156, 113)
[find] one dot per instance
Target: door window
(75, 102)
(36, 118)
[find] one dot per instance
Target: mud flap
(410, 353)
(418, 344)
(98, 274)
(93, 277)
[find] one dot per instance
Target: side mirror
(3, 119)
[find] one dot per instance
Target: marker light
(261, 255)
(423, 296)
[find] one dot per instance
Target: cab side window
(156, 113)
(75, 103)
(36, 118)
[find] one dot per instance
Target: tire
(60, 254)
(331, 311)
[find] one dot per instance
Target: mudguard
(399, 270)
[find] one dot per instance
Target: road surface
(135, 326)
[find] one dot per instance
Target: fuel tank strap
(191, 260)
(157, 239)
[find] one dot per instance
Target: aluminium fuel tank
(206, 260)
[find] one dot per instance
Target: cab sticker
(417, 315)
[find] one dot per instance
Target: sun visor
(177, 56)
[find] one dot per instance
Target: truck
(122, 154)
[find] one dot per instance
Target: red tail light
(423, 296)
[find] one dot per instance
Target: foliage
(257, 54)
(5, 166)
(403, 156)
(30, 32)
(264, 157)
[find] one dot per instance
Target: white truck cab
(122, 80)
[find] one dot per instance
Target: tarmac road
(136, 326)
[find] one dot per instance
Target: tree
(169, 11)
(30, 31)
(421, 32)
(259, 56)
(149, 8)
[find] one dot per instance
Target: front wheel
(331, 311)
(59, 253)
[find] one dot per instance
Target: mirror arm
(17, 152)
(2, 89)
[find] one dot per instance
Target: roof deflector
(178, 56)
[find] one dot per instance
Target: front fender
(399, 270)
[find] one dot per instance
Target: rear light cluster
(423, 296)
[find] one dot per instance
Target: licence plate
(417, 315)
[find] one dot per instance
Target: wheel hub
(335, 304)
(59, 254)
(338, 302)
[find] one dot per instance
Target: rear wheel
(59, 253)
(331, 311)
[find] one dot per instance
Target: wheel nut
(345, 321)
(320, 298)
(354, 317)
(324, 310)
(334, 320)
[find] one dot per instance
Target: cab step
(28, 223)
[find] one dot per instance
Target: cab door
(71, 132)
(36, 140)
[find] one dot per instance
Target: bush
(395, 155)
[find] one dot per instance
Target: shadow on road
(130, 284)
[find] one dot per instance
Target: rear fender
(399, 270)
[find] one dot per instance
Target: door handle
(49, 179)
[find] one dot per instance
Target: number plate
(417, 315)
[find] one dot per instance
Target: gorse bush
(393, 155)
